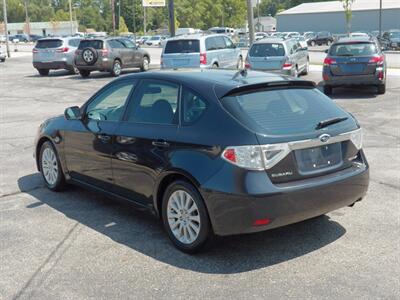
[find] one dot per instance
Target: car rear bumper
(103, 65)
(346, 80)
(52, 65)
(285, 204)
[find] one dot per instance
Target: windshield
(264, 50)
(395, 34)
(155, 38)
(284, 111)
(182, 46)
(353, 49)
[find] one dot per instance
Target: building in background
(329, 16)
(42, 28)
(265, 24)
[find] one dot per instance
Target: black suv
(390, 39)
(110, 55)
(210, 152)
(322, 38)
(354, 61)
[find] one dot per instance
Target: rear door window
(220, 42)
(211, 44)
(269, 49)
(283, 111)
(194, 106)
(74, 42)
(96, 44)
(44, 44)
(182, 46)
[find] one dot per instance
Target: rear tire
(239, 63)
(328, 90)
(116, 69)
(215, 66)
(307, 68)
(186, 223)
(84, 73)
(43, 72)
(73, 70)
(381, 89)
(50, 167)
(145, 64)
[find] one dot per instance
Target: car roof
(194, 36)
(224, 81)
(272, 40)
(354, 39)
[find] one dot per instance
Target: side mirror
(326, 51)
(73, 113)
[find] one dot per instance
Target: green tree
(347, 4)
(122, 25)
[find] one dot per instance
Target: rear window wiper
(346, 55)
(328, 122)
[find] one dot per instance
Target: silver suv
(110, 55)
(55, 53)
(278, 55)
(201, 51)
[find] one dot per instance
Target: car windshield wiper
(328, 122)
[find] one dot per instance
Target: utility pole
(380, 18)
(119, 14)
(113, 14)
(28, 25)
(5, 27)
(250, 19)
(70, 17)
(134, 17)
(144, 20)
(171, 14)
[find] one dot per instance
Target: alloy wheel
(183, 217)
(50, 166)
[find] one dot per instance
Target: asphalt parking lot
(82, 245)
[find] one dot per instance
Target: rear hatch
(285, 120)
(183, 53)
(353, 58)
(266, 56)
(97, 46)
(48, 50)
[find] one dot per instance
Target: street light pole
(134, 17)
(27, 18)
(5, 27)
(171, 14)
(250, 18)
(380, 18)
(70, 17)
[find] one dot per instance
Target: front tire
(185, 217)
(43, 72)
(239, 63)
(312, 43)
(50, 167)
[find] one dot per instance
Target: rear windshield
(96, 44)
(182, 46)
(353, 49)
(270, 49)
(43, 44)
(283, 111)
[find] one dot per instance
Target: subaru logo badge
(324, 137)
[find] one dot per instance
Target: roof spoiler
(268, 85)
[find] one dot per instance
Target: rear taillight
(62, 50)
(329, 61)
(379, 59)
(256, 157)
(203, 59)
(104, 53)
(34, 50)
(287, 66)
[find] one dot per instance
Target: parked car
(110, 55)
(260, 35)
(19, 38)
(143, 39)
(34, 37)
(302, 41)
(154, 40)
(354, 61)
(359, 34)
(198, 50)
(2, 55)
(391, 39)
(289, 35)
(55, 53)
(322, 38)
(3, 38)
(282, 151)
(278, 55)
(243, 42)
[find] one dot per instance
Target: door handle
(160, 143)
(104, 138)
